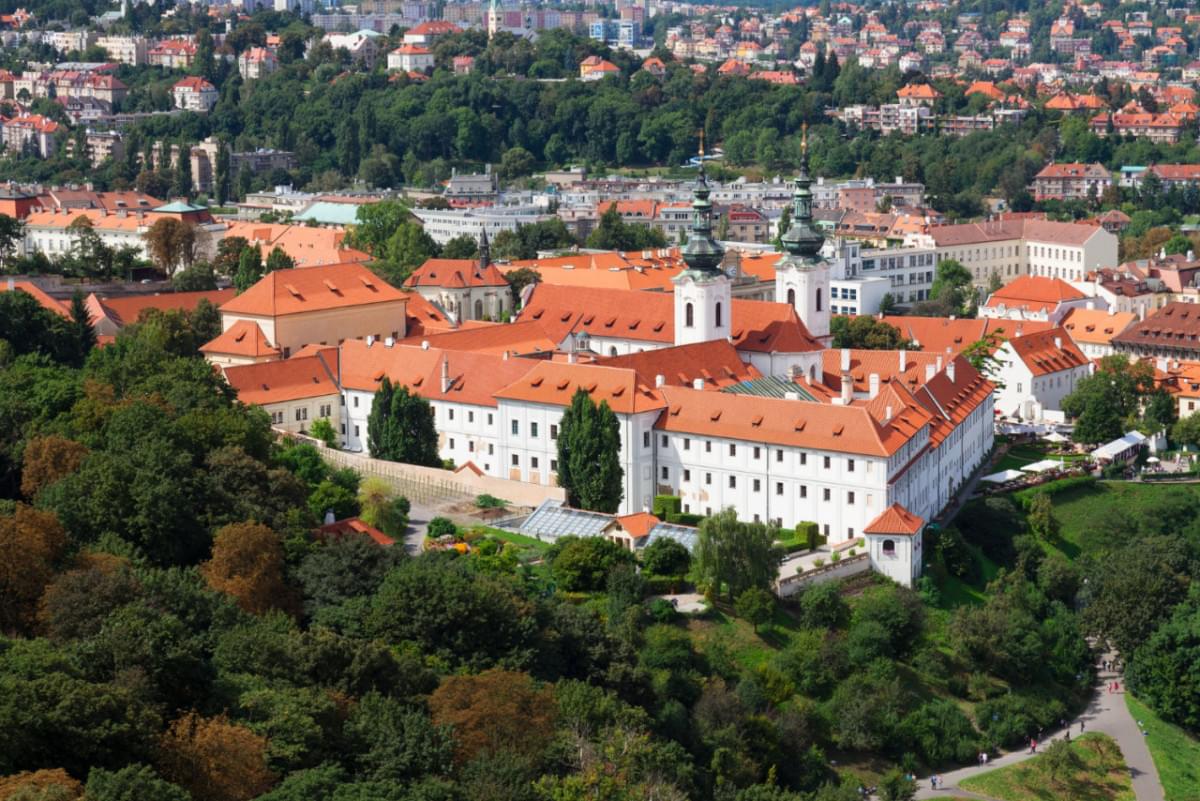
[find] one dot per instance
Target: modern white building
(445, 224)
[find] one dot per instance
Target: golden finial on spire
(701, 142)
(804, 137)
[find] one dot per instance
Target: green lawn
(956, 592)
(719, 631)
(1021, 455)
(517, 539)
(1100, 774)
(1176, 753)
(1078, 509)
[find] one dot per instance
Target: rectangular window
(733, 482)
(490, 418)
(553, 431)
(687, 475)
(491, 449)
(687, 443)
(779, 454)
(757, 485)
(827, 460)
(803, 459)
(664, 440)
(449, 414)
(708, 478)
(452, 443)
(849, 498)
(470, 446)
(825, 530)
(850, 533)
(757, 452)
(533, 462)
(356, 431)
(516, 428)
(803, 490)
(355, 401)
(826, 493)
(849, 465)
(470, 417)
(732, 449)
(516, 460)
(778, 487)
(665, 473)
(645, 439)
(707, 446)
(533, 429)
(554, 465)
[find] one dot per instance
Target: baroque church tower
(702, 291)
(802, 276)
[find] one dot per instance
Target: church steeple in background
(702, 254)
(802, 240)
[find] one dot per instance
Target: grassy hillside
(1096, 773)
(1176, 753)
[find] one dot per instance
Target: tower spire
(702, 254)
(802, 239)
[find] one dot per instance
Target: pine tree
(81, 337)
(279, 260)
(400, 427)
(589, 455)
(224, 181)
(378, 420)
(249, 269)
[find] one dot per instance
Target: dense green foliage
(589, 455)
(400, 427)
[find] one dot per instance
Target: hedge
(685, 519)
(666, 505)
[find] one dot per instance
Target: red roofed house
(257, 62)
(410, 58)
(1032, 297)
(31, 131)
(468, 289)
(427, 34)
(319, 306)
(1038, 371)
(594, 68)
(894, 544)
(918, 94)
(295, 392)
(1071, 182)
(195, 94)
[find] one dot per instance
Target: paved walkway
(1106, 714)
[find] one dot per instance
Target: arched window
(479, 310)
(718, 316)
(818, 300)
(889, 547)
(791, 297)
(689, 316)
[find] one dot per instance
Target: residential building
(195, 94)
(1071, 182)
(132, 50)
(319, 306)
(256, 62)
(361, 45)
(31, 133)
(410, 58)
(307, 246)
(1036, 372)
(1032, 297)
(467, 289)
(445, 224)
(176, 54)
(594, 68)
(100, 146)
(1172, 332)
(1093, 329)
(295, 392)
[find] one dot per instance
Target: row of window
(756, 485)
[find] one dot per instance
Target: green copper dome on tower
(802, 241)
(702, 254)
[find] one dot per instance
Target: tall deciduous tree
(498, 710)
(400, 427)
(249, 269)
(214, 759)
(735, 555)
(31, 543)
(247, 563)
(171, 243)
(589, 455)
(46, 460)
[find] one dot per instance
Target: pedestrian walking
(933, 782)
(1081, 725)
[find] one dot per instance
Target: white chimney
(930, 372)
(950, 370)
(370, 340)
(424, 344)
(847, 389)
(903, 360)
(889, 415)
(12, 283)
(571, 357)
(388, 342)
(1191, 255)
(1091, 305)
(1161, 364)
(445, 374)
(660, 380)
(939, 365)
(1112, 310)
(873, 385)
(697, 383)
(845, 360)
(1058, 343)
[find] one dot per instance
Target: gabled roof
(716, 363)
(126, 309)
(520, 338)
(282, 381)
(1096, 326)
(307, 246)
(942, 335)
(1048, 352)
(801, 424)
(920, 91)
(353, 526)
(474, 378)
(194, 83)
(308, 289)
(455, 274)
(244, 338)
(1033, 293)
(555, 383)
(895, 520)
(34, 291)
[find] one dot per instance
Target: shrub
(662, 611)
(583, 563)
(685, 519)
(1025, 497)
(835, 557)
(666, 557)
(486, 501)
(809, 533)
(441, 526)
(940, 733)
(323, 430)
(667, 505)
(991, 523)
(1011, 718)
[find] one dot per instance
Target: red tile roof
(555, 383)
(44, 300)
(244, 338)
(126, 309)
(455, 274)
(353, 526)
(307, 289)
(282, 381)
(895, 520)
(1048, 351)
(716, 363)
(1033, 293)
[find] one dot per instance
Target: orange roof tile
(307, 246)
(716, 363)
(34, 291)
(244, 338)
(942, 335)
(638, 525)
(1033, 293)
(895, 520)
(281, 381)
(528, 337)
(455, 273)
(307, 289)
(1096, 326)
(1048, 351)
(126, 309)
(555, 383)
